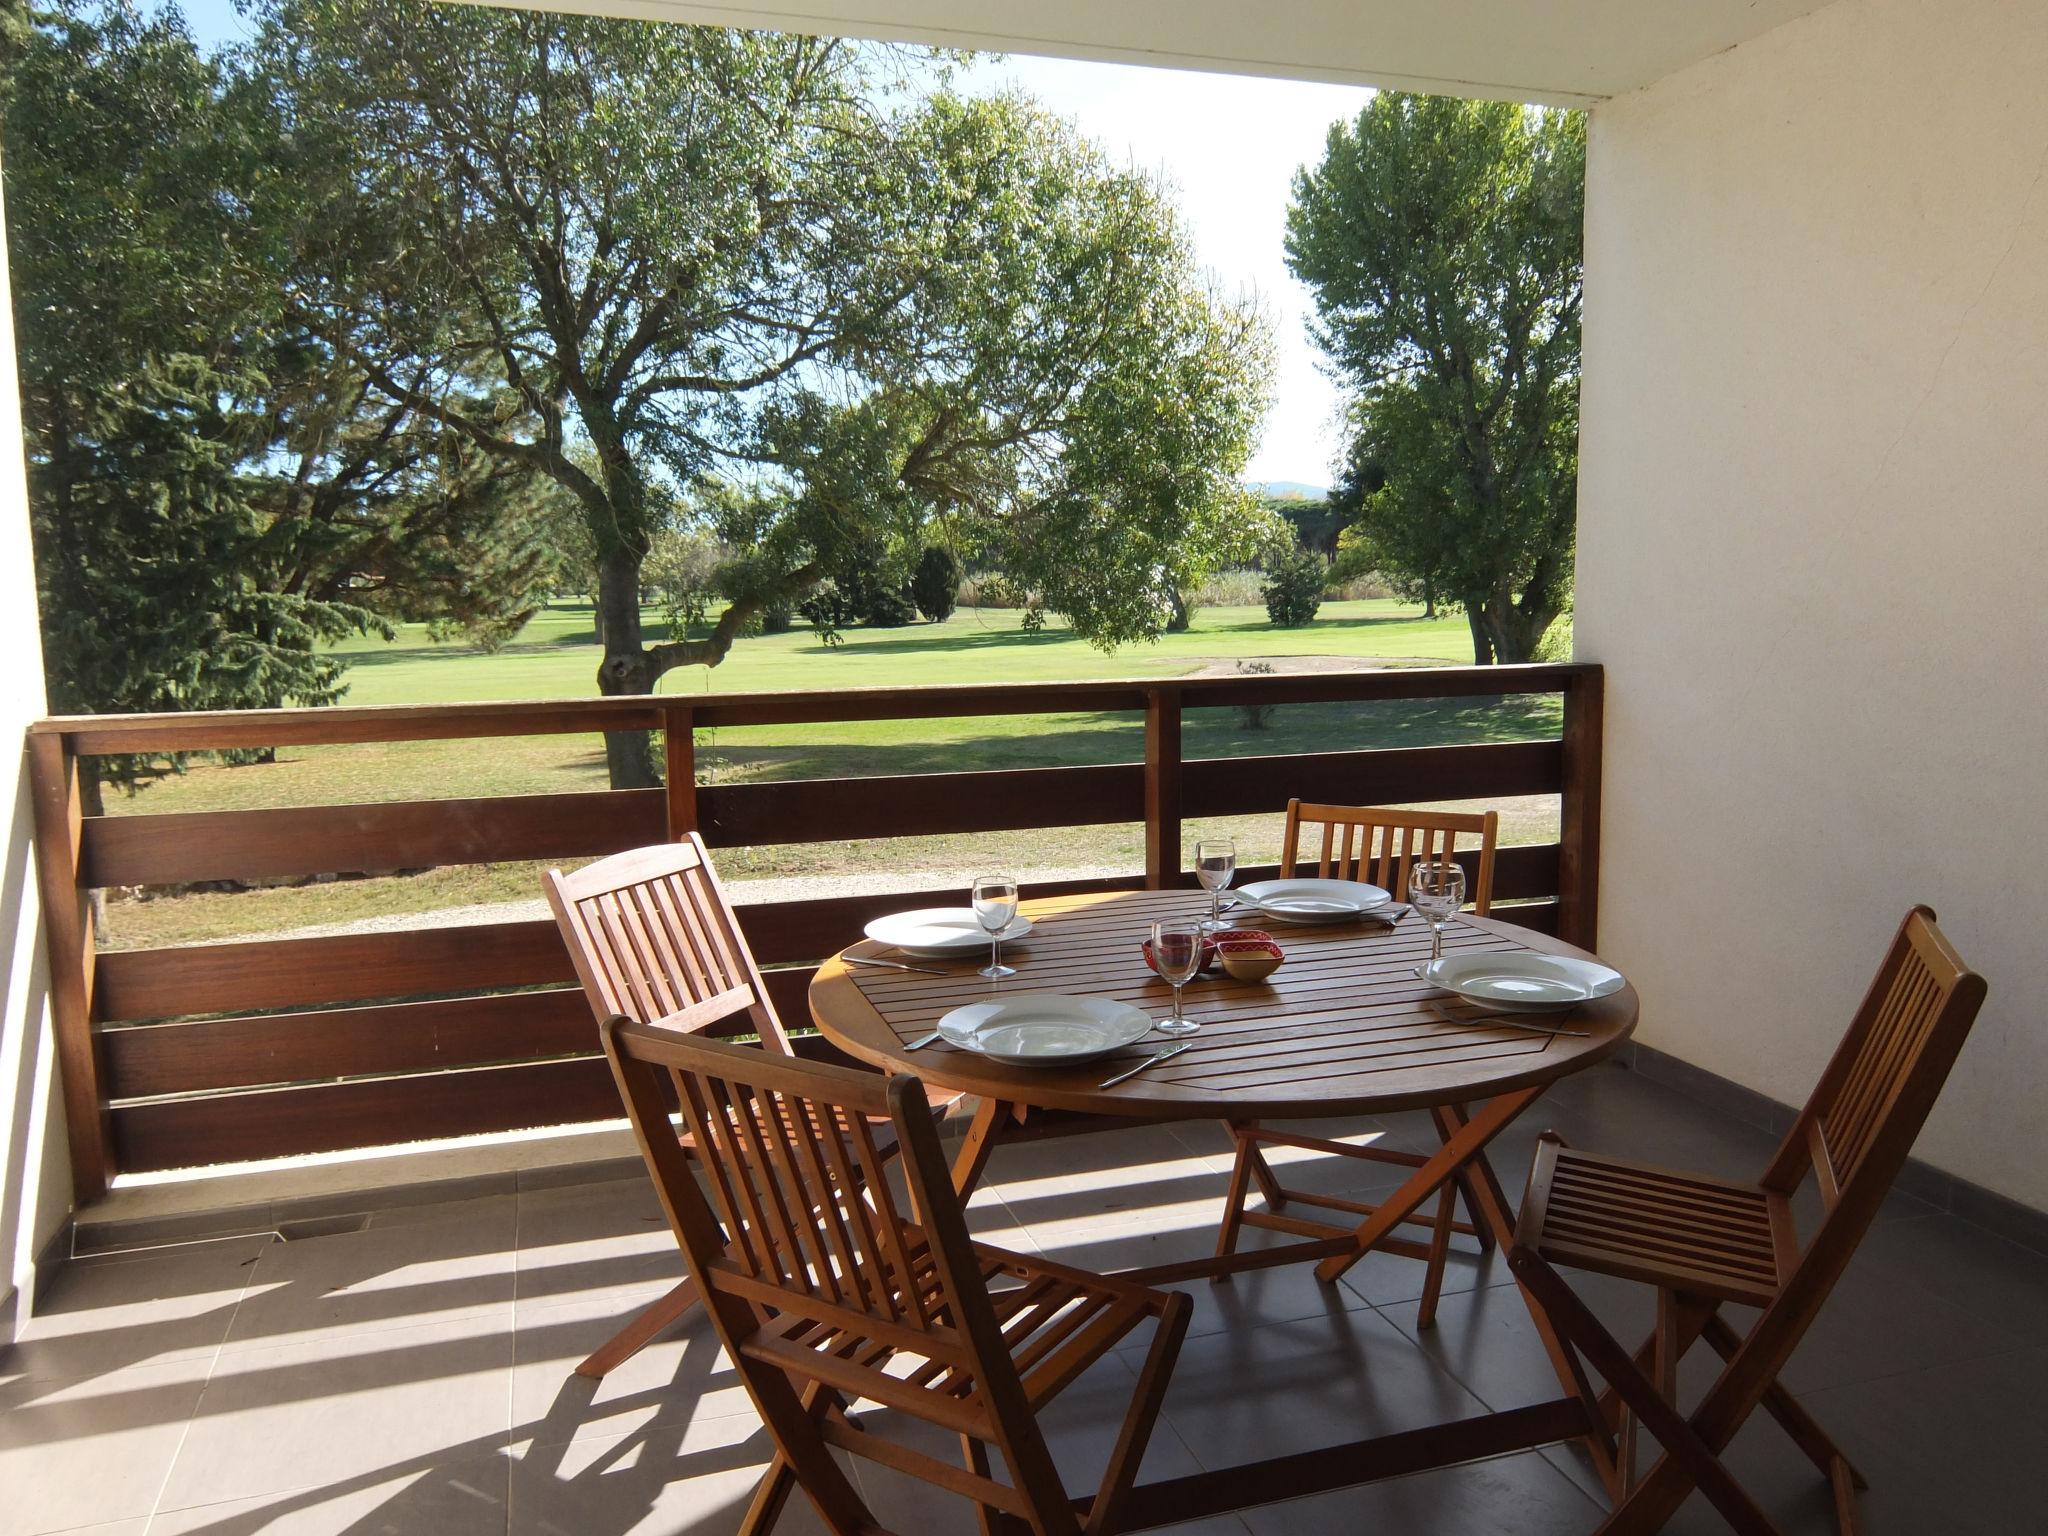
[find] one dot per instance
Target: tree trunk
(1177, 617)
(626, 668)
(1483, 654)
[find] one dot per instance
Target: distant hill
(1287, 488)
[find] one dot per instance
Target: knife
(1165, 1055)
(894, 965)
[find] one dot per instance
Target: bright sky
(1229, 145)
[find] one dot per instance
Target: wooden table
(1344, 1027)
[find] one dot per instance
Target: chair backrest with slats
(1380, 846)
(1870, 1103)
(654, 939)
(814, 1241)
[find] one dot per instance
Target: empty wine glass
(1437, 890)
(1177, 955)
(1215, 863)
(995, 908)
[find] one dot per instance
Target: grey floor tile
(350, 1405)
(1966, 1267)
(1295, 1386)
(91, 1451)
(680, 1377)
(108, 1314)
(460, 1497)
(670, 1481)
(453, 1262)
(580, 1243)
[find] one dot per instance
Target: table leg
(1458, 1150)
(977, 1144)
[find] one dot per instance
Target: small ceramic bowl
(1238, 935)
(1249, 959)
(1208, 955)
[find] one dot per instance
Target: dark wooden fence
(200, 1054)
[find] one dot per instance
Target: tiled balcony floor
(415, 1375)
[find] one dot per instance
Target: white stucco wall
(1814, 542)
(35, 1178)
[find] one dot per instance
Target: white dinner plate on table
(1045, 1029)
(1520, 981)
(1314, 901)
(936, 933)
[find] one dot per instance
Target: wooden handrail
(155, 1076)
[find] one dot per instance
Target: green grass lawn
(556, 657)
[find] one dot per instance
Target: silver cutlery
(924, 1040)
(895, 965)
(1157, 1056)
(1489, 1020)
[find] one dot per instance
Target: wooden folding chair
(654, 939)
(1379, 847)
(822, 1291)
(1705, 1241)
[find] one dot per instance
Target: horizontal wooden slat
(305, 973)
(1238, 786)
(199, 1055)
(347, 725)
(220, 729)
(911, 805)
(363, 839)
(333, 1117)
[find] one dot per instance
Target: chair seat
(1056, 1322)
(1687, 1232)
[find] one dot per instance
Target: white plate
(1522, 982)
(934, 933)
(1044, 1029)
(1314, 901)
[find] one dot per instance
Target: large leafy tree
(795, 263)
(213, 496)
(1443, 241)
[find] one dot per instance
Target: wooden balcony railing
(208, 1053)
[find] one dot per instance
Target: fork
(1157, 1056)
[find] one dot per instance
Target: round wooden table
(1344, 1027)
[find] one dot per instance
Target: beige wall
(35, 1180)
(1814, 542)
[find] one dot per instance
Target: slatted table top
(1343, 1027)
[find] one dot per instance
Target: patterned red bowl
(1249, 959)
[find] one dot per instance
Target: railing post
(68, 942)
(1578, 856)
(679, 750)
(1162, 788)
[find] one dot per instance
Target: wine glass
(1177, 955)
(1437, 890)
(995, 908)
(1215, 863)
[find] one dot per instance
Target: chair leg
(1800, 1425)
(1687, 1454)
(975, 1455)
(1104, 1513)
(640, 1332)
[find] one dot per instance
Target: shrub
(1256, 717)
(777, 620)
(1294, 588)
(936, 586)
(889, 608)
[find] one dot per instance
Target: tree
(1443, 239)
(690, 252)
(936, 586)
(1294, 584)
(212, 497)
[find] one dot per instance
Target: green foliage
(1316, 521)
(682, 569)
(1293, 591)
(936, 586)
(213, 495)
(1443, 239)
(692, 248)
